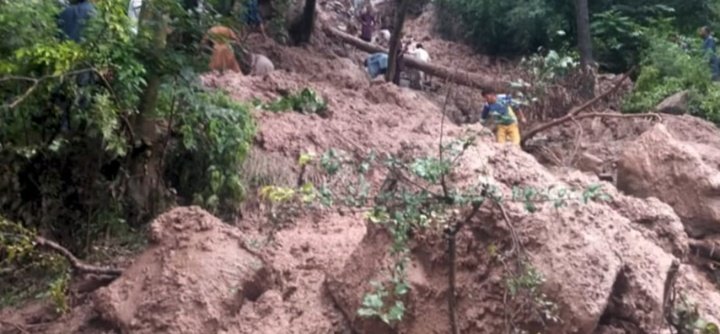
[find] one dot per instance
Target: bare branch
(36, 82)
(77, 265)
(575, 110)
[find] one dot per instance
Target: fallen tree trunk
(459, 77)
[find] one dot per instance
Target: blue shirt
(501, 113)
(710, 51)
(72, 20)
(377, 64)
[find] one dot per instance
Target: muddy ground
(604, 263)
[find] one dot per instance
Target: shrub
(71, 155)
(668, 69)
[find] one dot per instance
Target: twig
(578, 141)
(36, 82)
(669, 294)
(451, 234)
(517, 245)
(75, 263)
(575, 110)
(17, 326)
(442, 132)
(616, 115)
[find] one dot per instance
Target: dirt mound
(194, 277)
(601, 261)
(678, 173)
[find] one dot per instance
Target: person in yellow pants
(503, 116)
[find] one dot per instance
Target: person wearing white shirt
(419, 53)
(134, 14)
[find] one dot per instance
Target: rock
(677, 173)
(590, 163)
(192, 279)
(675, 104)
(261, 65)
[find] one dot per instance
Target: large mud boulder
(675, 104)
(193, 279)
(604, 263)
(682, 174)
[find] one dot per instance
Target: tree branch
(575, 110)
(76, 264)
(35, 83)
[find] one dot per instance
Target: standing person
(253, 17)
(73, 19)
(500, 111)
(710, 51)
(134, 8)
(72, 22)
(367, 24)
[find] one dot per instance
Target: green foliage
(58, 291)
(374, 304)
(527, 285)
(72, 136)
(667, 69)
(620, 28)
(686, 319)
(623, 32)
(287, 203)
(24, 270)
(503, 27)
(215, 137)
(307, 101)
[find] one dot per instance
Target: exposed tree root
(76, 264)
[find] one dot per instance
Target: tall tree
(301, 30)
(584, 39)
(400, 13)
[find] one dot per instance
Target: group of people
(73, 18)
(378, 63)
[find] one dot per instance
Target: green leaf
(396, 312)
(367, 312)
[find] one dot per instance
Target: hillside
(605, 265)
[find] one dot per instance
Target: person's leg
(514, 133)
(501, 133)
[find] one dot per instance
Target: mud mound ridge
(193, 279)
(683, 174)
(605, 264)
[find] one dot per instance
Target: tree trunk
(463, 78)
(145, 184)
(301, 31)
(582, 16)
(395, 47)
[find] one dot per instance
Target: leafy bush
(619, 27)
(214, 138)
(502, 27)
(307, 101)
(83, 160)
(668, 69)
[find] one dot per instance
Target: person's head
(704, 31)
(490, 95)
(418, 46)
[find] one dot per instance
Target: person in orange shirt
(223, 57)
